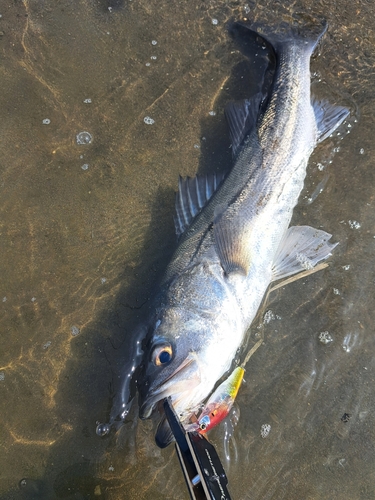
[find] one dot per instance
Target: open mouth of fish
(178, 385)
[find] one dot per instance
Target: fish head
(177, 365)
(167, 373)
(171, 367)
(191, 343)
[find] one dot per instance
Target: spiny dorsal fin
(193, 194)
(242, 117)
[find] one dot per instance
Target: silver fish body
(233, 246)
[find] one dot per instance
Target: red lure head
(221, 401)
(219, 404)
(213, 415)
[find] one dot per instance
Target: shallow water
(87, 229)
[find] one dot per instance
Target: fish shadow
(249, 77)
(92, 376)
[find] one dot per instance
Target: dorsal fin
(193, 194)
(242, 117)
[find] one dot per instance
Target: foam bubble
(84, 138)
(265, 430)
(325, 337)
(75, 330)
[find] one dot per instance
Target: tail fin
(277, 37)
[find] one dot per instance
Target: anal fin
(328, 117)
(300, 250)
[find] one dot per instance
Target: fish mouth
(177, 385)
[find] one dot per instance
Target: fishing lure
(219, 404)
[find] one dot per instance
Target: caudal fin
(306, 34)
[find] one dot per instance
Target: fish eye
(162, 354)
(204, 422)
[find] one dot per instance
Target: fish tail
(306, 34)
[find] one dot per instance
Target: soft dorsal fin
(193, 194)
(242, 117)
(328, 117)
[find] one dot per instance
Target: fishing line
(287, 281)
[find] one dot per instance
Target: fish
(234, 234)
(219, 403)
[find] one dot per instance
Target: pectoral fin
(231, 240)
(301, 249)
